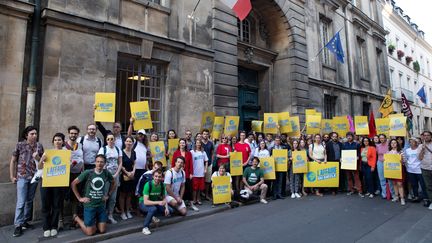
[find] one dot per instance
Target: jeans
(294, 180)
(278, 185)
(427, 177)
(52, 198)
(415, 179)
(368, 177)
(111, 202)
(380, 168)
(24, 205)
(151, 211)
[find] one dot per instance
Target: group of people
(117, 173)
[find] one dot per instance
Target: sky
(420, 13)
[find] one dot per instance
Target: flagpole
(322, 48)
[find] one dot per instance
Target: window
(329, 106)
(366, 108)
(363, 60)
(397, 42)
(325, 38)
(408, 83)
(392, 83)
(428, 68)
(155, 1)
(139, 80)
(418, 123)
(422, 66)
(381, 67)
(244, 28)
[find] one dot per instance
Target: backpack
(117, 149)
(172, 175)
(97, 139)
(141, 182)
(161, 196)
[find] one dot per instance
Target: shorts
(198, 183)
(93, 215)
(208, 175)
(178, 207)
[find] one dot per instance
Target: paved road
(311, 219)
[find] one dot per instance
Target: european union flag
(335, 46)
(422, 94)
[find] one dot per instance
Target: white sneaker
(47, 233)
(53, 232)
(297, 195)
(194, 208)
(430, 207)
(293, 196)
(395, 199)
(371, 196)
(146, 231)
(112, 220)
(123, 216)
(402, 201)
(129, 215)
(155, 220)
(410, 196)
(263, 201)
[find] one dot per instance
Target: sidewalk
(123, 227)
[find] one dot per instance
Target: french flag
(240, 7)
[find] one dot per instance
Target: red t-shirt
(244, 149)
(224, 150)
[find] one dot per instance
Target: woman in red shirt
(223, 152)
(188, 167)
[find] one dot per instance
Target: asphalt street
(310, 219)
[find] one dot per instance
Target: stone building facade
(186, 62)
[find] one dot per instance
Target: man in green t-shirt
(153, 200)
(253, 180)
(94, 199)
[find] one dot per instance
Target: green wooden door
(248, 97)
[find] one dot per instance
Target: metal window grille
(329, 106)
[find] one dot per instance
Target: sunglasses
(110, 139)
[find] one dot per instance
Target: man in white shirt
(175, 185)
(90, 145)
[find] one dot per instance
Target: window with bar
(329, 106)
(139, 80)
(244, 30)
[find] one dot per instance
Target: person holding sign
(90, 144)
(94, 197)
(426, 162)
(222, 172)
(318, 154)
(279, 185)
(397, 183)
(52, 197)
(334, 152)
(368, 157)
(253, 180)
(353, 175)
(382, 148)
(294, 178)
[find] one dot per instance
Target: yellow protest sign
(268, 166)
(322, 175)
(295, 127)
(157, 150)
(207, 120)
(341, 125)
(280, 157)
(299, 162)
(349, 160)
(236, 163)
(221, 189)
(313, 124)
(284, 122)
(231, 125)
(141, 113)
(56, 169)
(173, 144)
(392, 166)
(382, 126)
(310, 112)
(396, 115)
(361, 125)
(326, 126)
(257, 126)
(398, 126)
(218, 127)
(105, 107)
(271, 121)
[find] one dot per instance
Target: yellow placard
(326, 126)
(397, 126)
(310, 112)
(299, 162)
(173, 144)
(392, 166)
(349, 160)
(382, 126)
(218, 127)
(105, 107)
(56, 169)
(268, 166)
(341, 125)
(207, 120)
(157, 150)
(257, 126)
(322, 175)
(221, 189)
(284, 122)
(295, 127)
(271, 122)
(396, 115)
(313, 124)
(280, 157)
(236, 163)
(361, 125)
(231, 125)
(141, 113)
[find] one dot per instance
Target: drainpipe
(350, 78)
(32, 85)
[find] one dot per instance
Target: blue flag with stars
(335, 46)
(422, 94)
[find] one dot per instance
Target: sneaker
(402, 201)
(361, 195)
(263, 201)
(395, 199)
(26, 226)
(123, 216)
(430, 207)
(297, 195)
(129, 215)
(53, 232)
(293, 196)
(17, 232)
(377, 192)
(112, 220)
(146, 231)
(47, 233)
(194, 208)
(60, 225)
(350, 193)
(367, 194)
(410, 196)
(371, 196)
(155, 220)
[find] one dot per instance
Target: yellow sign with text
(322, 175)
(105, 107)
(361, 125)
(207, 120)
(349, 160)
(268, 166)
(284, 122)
(382, 126)
(141, 113)
(310, 112)
(271, 122)
(341, 125)
(313, 124)
(218, 127)
(257, 126)
(392, 166)
(295, 127)
(397, 126)
(281, 159)
(56, 169)
(236, 164)
(299, 162)
(326, 126)
(231, 125)
(157, 150)
(221, 186)
(173, 144)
